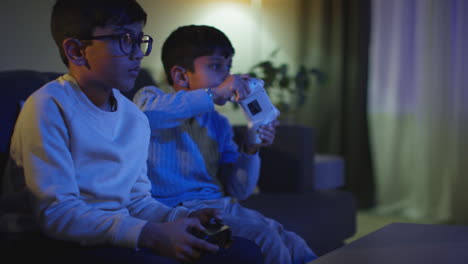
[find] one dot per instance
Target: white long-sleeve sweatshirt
(81, 170)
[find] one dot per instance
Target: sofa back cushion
(288, 164)
(16, 86)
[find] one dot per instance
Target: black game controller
(216, 233)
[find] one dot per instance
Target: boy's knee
(269, 233)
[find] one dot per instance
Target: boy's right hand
(172, 239)
(234, 84)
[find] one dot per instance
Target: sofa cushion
(16, 86)
(328, 172)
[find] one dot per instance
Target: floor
(368, 221)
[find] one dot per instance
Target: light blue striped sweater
(190, 141)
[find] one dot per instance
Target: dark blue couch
(323, 218)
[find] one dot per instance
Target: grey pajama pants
(278, 245)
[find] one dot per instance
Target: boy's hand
(233, 85)
(172, 239)
(267, 135)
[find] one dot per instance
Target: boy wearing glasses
(78, 186)
(193, 160)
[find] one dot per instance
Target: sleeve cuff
(200, 102)
(129, 233)
(247, 156)
(178, 212)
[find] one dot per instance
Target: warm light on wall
(227, 14)
(256, 3)
(241, 22)
(256, 28)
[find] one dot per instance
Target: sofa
(324, 217)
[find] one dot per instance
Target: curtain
(335, 41)
(418, 108)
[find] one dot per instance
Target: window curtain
(335, 41)
(418, 108)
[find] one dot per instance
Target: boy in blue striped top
(193, 160)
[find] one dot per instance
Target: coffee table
(405, 243)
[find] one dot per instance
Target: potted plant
(287, 90)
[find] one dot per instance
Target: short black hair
(79, 18)
(187, 43)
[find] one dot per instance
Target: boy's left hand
(267, 135)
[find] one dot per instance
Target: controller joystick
(214, 223)
(197, 232)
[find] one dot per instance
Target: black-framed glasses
(128, 42)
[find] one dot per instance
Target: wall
(26, 41)
(255, 27)
(255, 32)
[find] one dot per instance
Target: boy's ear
(73, 49)
(179, 77)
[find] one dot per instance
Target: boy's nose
(137, 53)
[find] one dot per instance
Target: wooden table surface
(405, 243)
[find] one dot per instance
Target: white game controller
(257, 108)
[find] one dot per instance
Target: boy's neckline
(110, 103)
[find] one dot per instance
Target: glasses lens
(126, 43)
(146, 45)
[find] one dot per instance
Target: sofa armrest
(288, 164)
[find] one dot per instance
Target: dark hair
(187, 43)
(79, 18)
